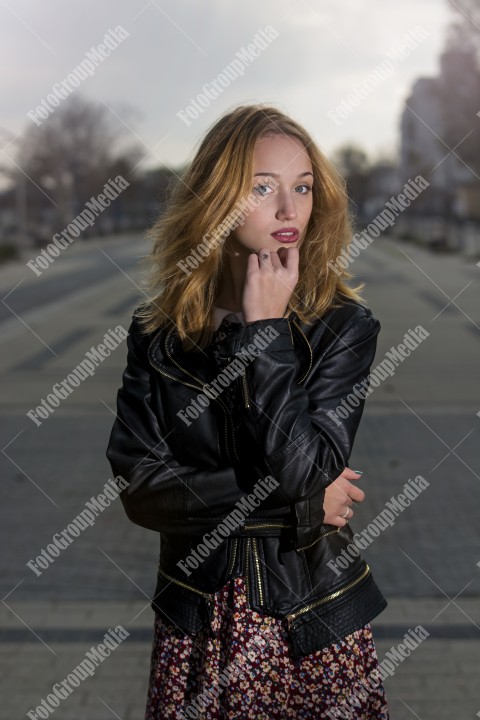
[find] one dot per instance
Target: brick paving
(422, 421)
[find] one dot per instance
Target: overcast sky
(323, 50)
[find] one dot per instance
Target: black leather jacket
(185, 479)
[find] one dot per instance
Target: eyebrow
(277, 175)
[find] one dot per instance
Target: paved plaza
(424, 420)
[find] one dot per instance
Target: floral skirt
(242, 670)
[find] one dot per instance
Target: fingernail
(359, 472)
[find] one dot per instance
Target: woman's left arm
(305, 442)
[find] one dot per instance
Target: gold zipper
(165, 344)
(267, 525)
(330, 532)
(172, 377)
(309, 348)
(188, 587)
(199, 380)
(257, 568)
(233, 556)
(246, 556)
(246, 399)
(291, 618)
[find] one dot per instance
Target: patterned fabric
(244, 671)
(243, 665)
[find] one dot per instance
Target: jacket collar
(196, 368)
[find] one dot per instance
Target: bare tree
(352, 161)
(72, 154)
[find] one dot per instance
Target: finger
(356, 494)
(342, 487)
(350, 492)
(351, 474)
(264, 256)
(341, 522)
(283, 254)
(253, 262)
(292, 258)
(276, 262)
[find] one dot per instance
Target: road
(424, 420)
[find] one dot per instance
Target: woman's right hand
(340, 495)
(269, 283)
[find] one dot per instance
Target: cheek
(256, 219)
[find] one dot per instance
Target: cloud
(173, 50)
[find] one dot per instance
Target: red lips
(286, 235)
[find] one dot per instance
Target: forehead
(283, 154)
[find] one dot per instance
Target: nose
(286, 206)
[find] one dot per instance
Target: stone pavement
(423, 420)
(438, 680)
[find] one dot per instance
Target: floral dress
(243, 670)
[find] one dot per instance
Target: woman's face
(282, 187)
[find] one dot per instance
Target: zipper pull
(289, 622)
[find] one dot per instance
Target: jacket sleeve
(306, 442)
(161, 492)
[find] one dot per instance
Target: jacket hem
(329, 623)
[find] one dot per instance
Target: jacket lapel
(166, 354)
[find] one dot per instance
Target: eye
(307, 188)
(259, 188)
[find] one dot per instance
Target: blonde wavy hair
(219, 176)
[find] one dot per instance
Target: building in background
(439, 138)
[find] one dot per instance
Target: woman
(231, 438)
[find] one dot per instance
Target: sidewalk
(119, 686)
(423, 420)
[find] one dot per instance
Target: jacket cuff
(274, 332)
(272, 336)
